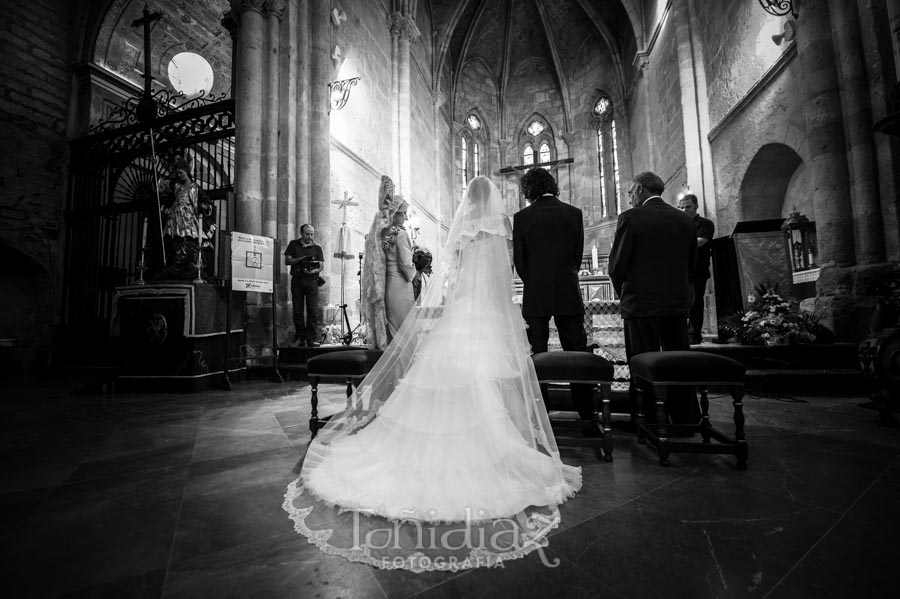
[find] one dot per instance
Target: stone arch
(766, 182)
(27, 309)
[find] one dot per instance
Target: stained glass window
(615, 157)
(536, 128)
(476, 160)
(545, 152)
(474, 122)
(465, 163)
(600, 153)
(601, 106)
(528, 155)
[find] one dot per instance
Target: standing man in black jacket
(548, 243)
(651, 264)
(705, 231)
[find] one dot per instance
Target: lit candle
(144, 235)
(594, 262)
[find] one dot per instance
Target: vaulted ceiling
(507, 35)
(193, 26)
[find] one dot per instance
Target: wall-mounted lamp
(787, 35)
(337, 16)
(339, 92)
(779, 8)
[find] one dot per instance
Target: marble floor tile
(641, 553)
(218, 521)
(283, 565)
(179, 495)
(271, 466)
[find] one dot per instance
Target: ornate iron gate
(112, 188)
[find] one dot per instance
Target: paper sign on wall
(252, 262)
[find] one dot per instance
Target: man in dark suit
(705, 231)
(548, 243)
(651, 264)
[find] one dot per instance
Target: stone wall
(361, 138)
(36, 48)
(656, 134)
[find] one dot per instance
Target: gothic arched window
(609, 202)
(615, 157)
(528, 155)
(474, 147)
(536, 142)
(476, 159)
(601, 154)
(464, 161)
(545, 152)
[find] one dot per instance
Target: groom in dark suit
(651, 264)
(548, 243)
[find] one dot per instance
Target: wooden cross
(147, 22)
(553, 164)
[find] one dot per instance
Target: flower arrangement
(772, 320)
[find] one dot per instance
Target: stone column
(690, 118)
(867, 220)
(272, 12)
(829, 174)
(821, 100)
(893, 9)
(707, 201)
(287, 123)
(248, 117)
(395, 100)
(320, 131)
(404, 30)
(303, 77)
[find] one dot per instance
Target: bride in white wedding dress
(444, 458)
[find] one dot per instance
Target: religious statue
(188, 226)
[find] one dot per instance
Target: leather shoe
(313, 344)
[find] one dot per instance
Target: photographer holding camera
(305, 259)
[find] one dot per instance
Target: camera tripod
(347, 332)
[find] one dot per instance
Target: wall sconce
(337, 16)
(339, 92)
(787, 35)
(779, 8)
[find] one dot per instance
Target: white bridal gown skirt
(445, 446)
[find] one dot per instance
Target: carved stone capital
(439, 99)
(404, 27)
(239, 7)
(569, 137)
(274, 8)
(642, 60)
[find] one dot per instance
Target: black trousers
(668, 333)
(696, 315)
(305, 294)
(572, 338)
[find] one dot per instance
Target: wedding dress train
(444, 458)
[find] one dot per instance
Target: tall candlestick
(595, 264)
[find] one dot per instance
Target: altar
(173, 336)
(602, 323)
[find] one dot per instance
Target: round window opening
(190, 74)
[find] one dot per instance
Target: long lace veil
(469, 339)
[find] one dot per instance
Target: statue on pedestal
(188, 226)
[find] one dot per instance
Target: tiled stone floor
(152, 495)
